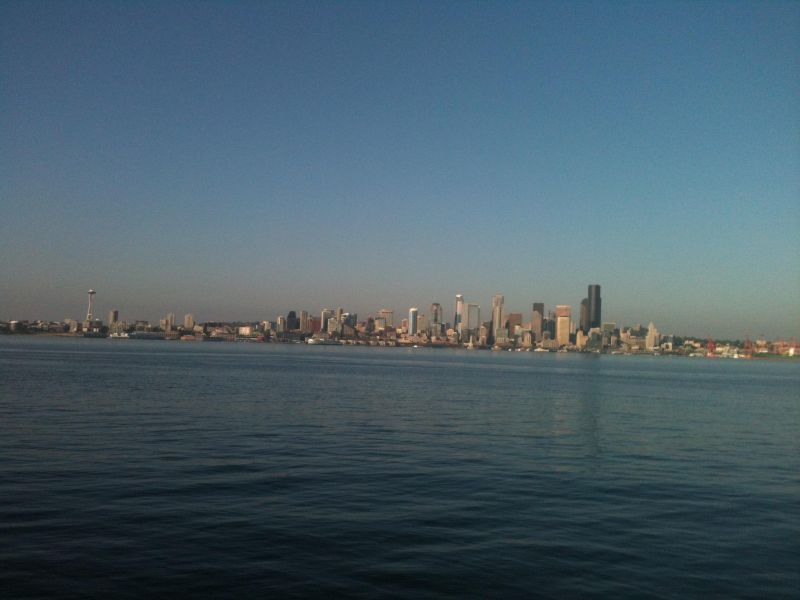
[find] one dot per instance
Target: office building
(563, 321)
(537, 321)
(113, 316)
(459, 316)
(188, 321)
(412, 321)
(387, 316)
(584, 322)
(472, 314)
(594, 306)
(498, 318)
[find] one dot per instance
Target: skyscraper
(436, 319)
(594, 305)
(459, 316)
(113, 316)
(563, 318)
(412, 321)
(326, 314)
(536, 321)
(388, 316)
(584, 322)
(472, 322)
(188, 321)
(498, 318)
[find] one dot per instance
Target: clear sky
(238, 160)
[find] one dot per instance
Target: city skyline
(241, 160)
(566, 322)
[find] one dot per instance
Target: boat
(119, 336)
(322, 342)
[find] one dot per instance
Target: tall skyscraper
(326, 314)
(292, 322)
(437, 317)
(113, 316)
(537, 320)
(304, 323)
(584, 322)
(563, 318)
(412, 321)
(472, 323)
(459, 316)
(594, 306)
(188, 321)
(498, 318)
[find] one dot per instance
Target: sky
(238, 160)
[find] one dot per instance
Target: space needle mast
(89, 312)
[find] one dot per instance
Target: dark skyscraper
(584, 327)
(594, 305)
(536, 322)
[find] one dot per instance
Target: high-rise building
(292, 322)
(437, 318)
(188, 321)
(472, 323)
(459, 316)
(305, 326)
(594, 306)
(388, 316)
(281, 326)
(563, 319)
(113, 316)
(653, 338)
(498, 318)
(584, 322)
(537, 320)
(169, 322)
(412, 321)
(326, 314)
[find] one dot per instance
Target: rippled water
(135, 468)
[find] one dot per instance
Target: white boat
(119, 336)
(322, 342)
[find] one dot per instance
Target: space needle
(89, 312)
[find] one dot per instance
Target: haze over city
(238, 161)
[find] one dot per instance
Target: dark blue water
(132, 469)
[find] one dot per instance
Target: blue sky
(239, 160)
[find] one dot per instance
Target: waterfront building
(169, 322)
(412, 321)
(188, 321)
(281, 326)
(563, 321)
(304, 321)
(594, 306)
(537, 321)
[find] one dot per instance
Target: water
(135, 468)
